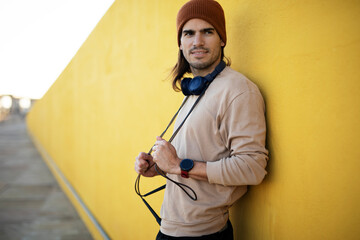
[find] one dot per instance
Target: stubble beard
(204, 65)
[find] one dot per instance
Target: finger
(160, 143)
(142, 168)
(144, 156)
(140, 164)
(159, 138)
(138, 169)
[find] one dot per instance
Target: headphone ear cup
(185, 86)
(197, 85)
(193, 86)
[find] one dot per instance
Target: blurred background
(38, 40)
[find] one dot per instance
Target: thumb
(159, 138)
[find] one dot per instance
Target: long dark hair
(182, 67)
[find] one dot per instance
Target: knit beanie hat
(208, 10)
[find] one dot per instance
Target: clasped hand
(164, 155)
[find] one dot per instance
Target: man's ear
(222, 43)
(180, 47)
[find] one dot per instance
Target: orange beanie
(208, 10)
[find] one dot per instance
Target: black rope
(180, 185)
(137, 181)
(217, 70)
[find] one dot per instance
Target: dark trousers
(226, 234)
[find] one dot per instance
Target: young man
(220, 149)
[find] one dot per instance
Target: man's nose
(198, 40)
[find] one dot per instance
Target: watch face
(186, 164)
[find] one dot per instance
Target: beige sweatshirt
(227, 130)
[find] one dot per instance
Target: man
(221, 146)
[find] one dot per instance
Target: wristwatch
(186, 165)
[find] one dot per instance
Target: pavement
(32, 205)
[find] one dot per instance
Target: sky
(38, 38)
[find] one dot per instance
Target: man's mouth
(199, 52)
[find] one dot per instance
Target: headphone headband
(218, 69)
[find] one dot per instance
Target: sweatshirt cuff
(213, 170)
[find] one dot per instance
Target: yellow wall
(114, 98)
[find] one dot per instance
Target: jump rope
(198, 82)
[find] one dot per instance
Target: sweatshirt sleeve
(243, 131)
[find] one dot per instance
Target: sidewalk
(32, 205)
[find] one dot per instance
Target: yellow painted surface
(114, 98)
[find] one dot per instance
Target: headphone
(198, 84)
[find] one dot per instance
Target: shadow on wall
(250, 207)
(254, 205)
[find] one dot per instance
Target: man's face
(201, 46)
